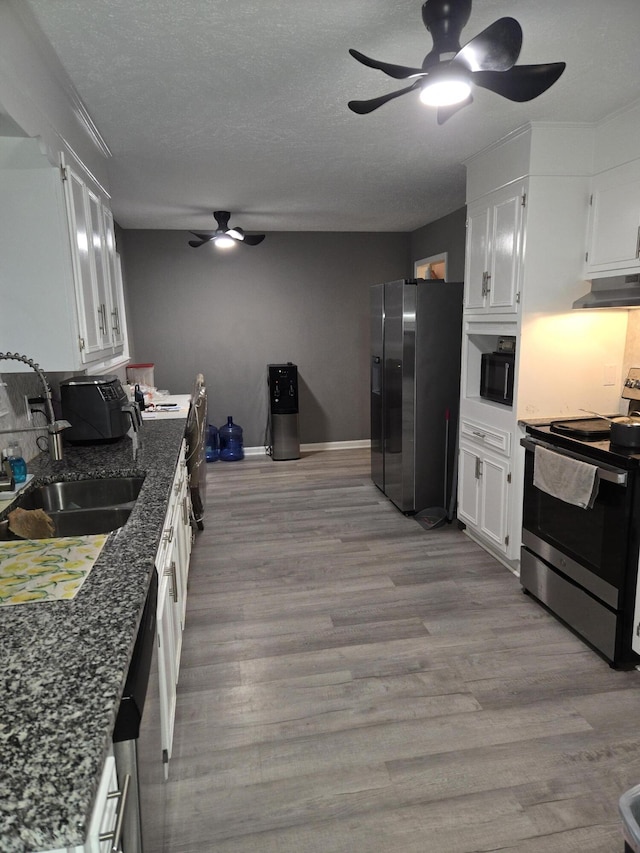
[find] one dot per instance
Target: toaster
(97, 408)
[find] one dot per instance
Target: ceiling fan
(225, 237)
(449, 71)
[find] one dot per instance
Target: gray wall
(300, 297)
(443, 235)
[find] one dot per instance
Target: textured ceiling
(242, 104)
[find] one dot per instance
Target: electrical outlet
(27, 405)
(609, 374)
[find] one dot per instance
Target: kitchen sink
(82, 494)
(81, 507)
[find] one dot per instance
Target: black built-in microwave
(497, 371)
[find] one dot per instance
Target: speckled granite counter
(64, 663)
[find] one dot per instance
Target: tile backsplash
(13, 414)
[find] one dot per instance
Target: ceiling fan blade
(445, 113)
(496, 48)
(522, 82)
(399, 72)
(364, 107)
(253, 239)
(202, 239)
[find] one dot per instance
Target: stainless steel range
(581, 529)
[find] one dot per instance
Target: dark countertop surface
(64, 663)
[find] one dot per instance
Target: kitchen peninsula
(65, 662)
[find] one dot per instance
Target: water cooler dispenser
(283, 403)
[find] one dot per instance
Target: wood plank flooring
(352, 682)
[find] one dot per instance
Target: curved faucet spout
(54, 427)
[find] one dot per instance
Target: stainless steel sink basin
(82, 507)
(82, 494)
(82, 522)
(79, 522)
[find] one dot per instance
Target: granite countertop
(64, 663)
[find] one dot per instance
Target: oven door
(589, 546)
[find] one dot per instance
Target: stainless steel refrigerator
(416, 329)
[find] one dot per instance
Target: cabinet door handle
(478, 468)
(116, 321)
(506, 380)
(171, 573)
(101, 322)
(638, 243)
(479, 434)
(122, 796)
(168, 534)
(486, 287)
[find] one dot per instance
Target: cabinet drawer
(486, 436)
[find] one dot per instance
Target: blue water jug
(212, 450)
(230, 439)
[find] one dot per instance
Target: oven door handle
(610, 475)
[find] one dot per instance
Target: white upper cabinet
(100, 269)
(62, 303)
(614, 227)
(98, 282)
(117, 318)
(493, 252)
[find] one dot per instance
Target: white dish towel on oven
(570, 480)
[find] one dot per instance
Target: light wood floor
(352, 682)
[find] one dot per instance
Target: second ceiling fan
(449, 71)
(225, 237)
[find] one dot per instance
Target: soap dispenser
(17, 463)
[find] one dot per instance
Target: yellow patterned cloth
(46, 569)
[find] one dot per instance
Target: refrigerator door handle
(376, 375)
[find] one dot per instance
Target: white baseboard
(315, 448)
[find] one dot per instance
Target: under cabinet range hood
(618, 291)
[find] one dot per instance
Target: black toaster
(96, 407)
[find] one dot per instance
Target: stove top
(586, 429)
(584, 436)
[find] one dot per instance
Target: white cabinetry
(492, 264)
(614, 227)
(484, 478)
(98, 276)
(62, 295)
(528, 207)
(172, 564)
(102, 835)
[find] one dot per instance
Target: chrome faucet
(54, 427)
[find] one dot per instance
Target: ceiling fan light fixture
(445, 87)
(487, 61)
(223, 241)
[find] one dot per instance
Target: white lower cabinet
(103, 835)
(172, 564)
(483, 485)
(167, 663)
